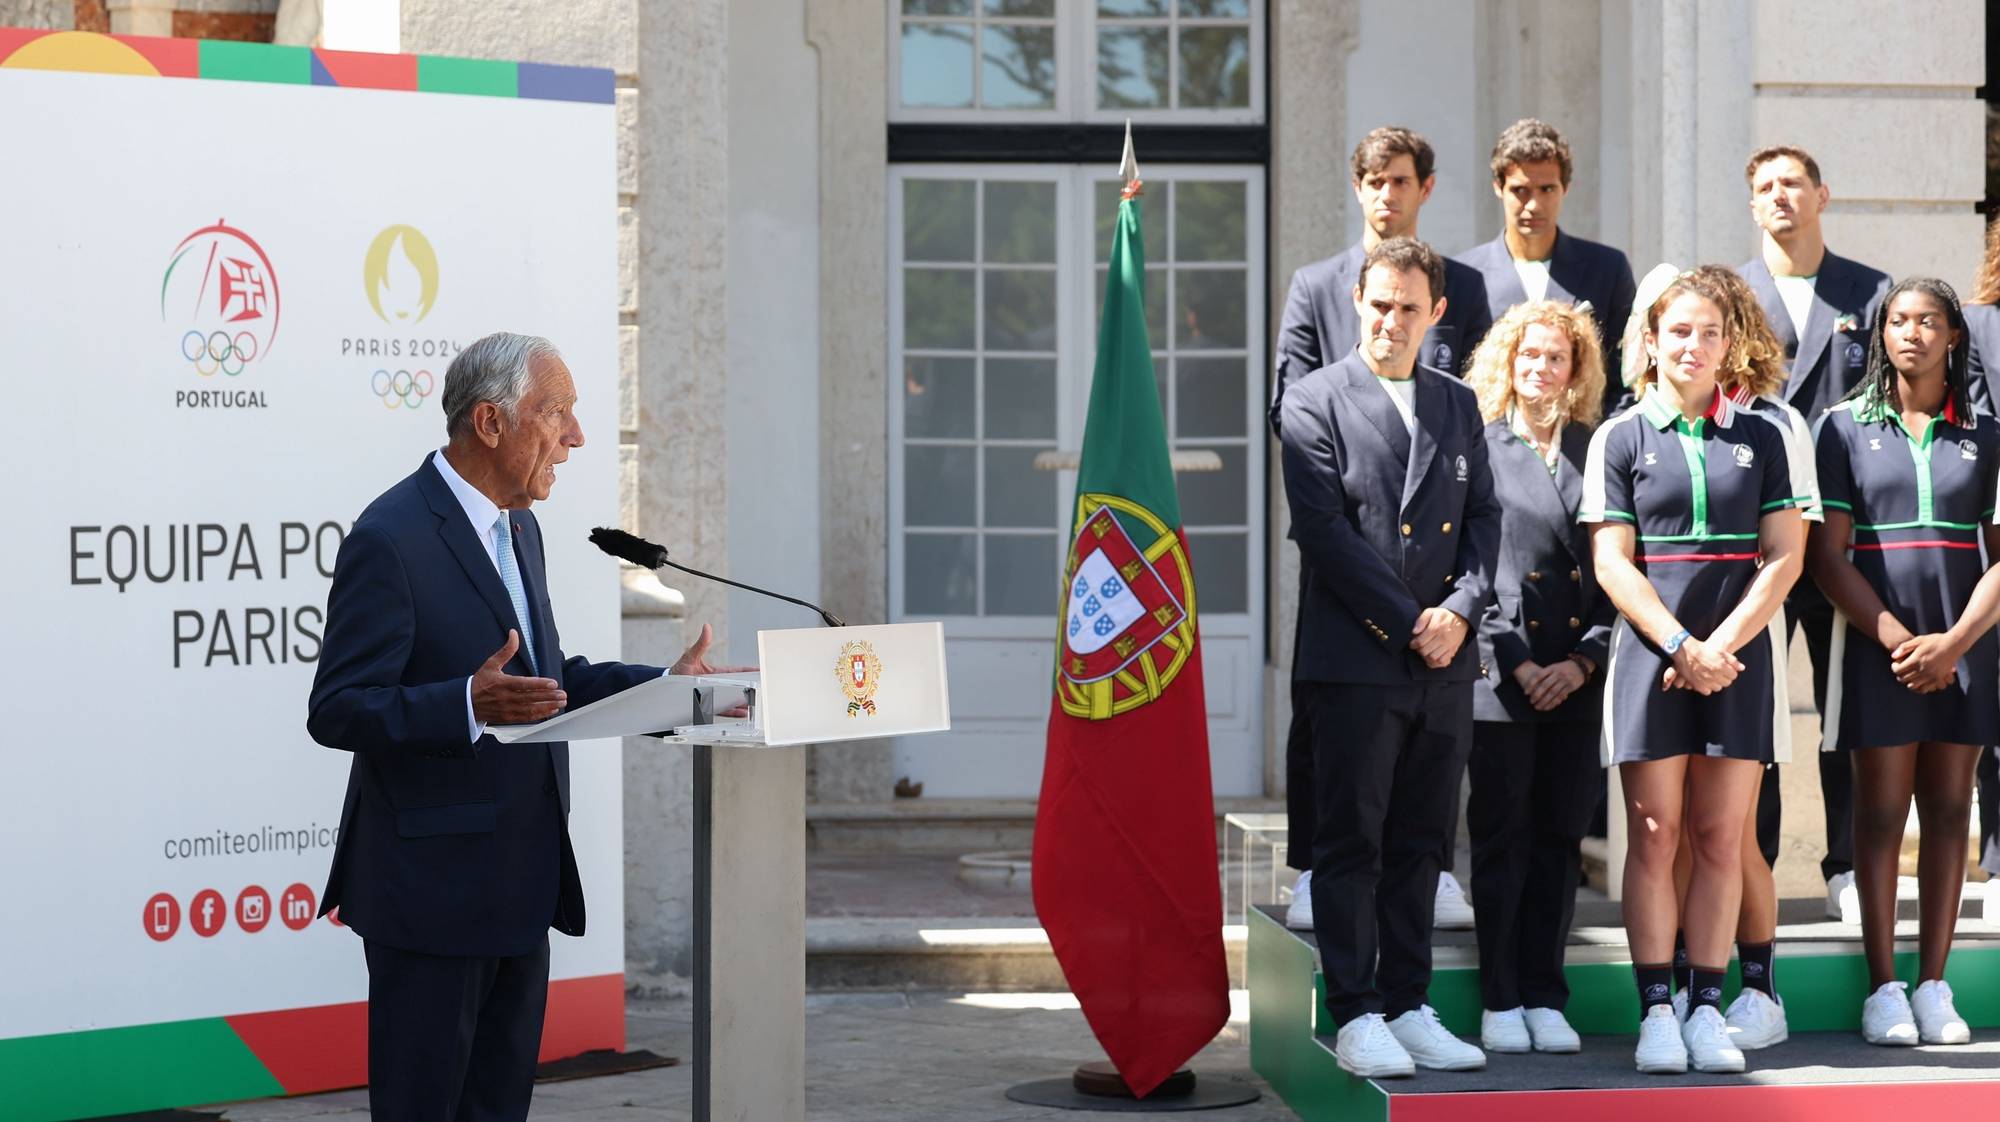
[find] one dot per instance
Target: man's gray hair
(493, 369)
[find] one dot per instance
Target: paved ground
(870, 1057)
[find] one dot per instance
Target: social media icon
(206, 912)
(163, 917)
(297, 906)
(253, 909)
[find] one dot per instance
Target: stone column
(1541, 58)
(142, 17)
(52, 15)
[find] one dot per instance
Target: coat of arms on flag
(1129, 621)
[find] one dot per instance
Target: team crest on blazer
(1461, 465)
(1854, 353)
(1129, 623)
(859, 669)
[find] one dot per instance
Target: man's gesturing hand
(500, 698)
(694, 660)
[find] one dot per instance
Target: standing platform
(1823, 1071)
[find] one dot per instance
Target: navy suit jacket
(447, 846)
(1320, 326)
(1389, 523)
(1824, 362)
(1579, 270)
(1982, 323)
(1546, 603)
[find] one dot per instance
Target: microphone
(647, 555)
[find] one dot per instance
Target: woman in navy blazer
(1540, 378)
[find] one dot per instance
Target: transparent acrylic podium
(815, 685)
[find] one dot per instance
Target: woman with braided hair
(1909, 473)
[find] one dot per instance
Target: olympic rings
(402, 389)
(218, 353)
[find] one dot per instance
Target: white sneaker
(1992, 907)
(1755, 1021)
(1299, 916)
(1708, 1044)
(1552, 1032)
(1432, 1045)
(1681, 1007)
(1661, 1050)
(1886, 1017)
(1366, 1047)
(1937, 1021)
(1504, 1030)
(1843, 901)
(1453, 911)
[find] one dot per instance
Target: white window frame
(1076, 73)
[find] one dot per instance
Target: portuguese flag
(1125, 873)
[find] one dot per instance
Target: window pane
(1021, 7)
(937, 65)
(1211, 392)
(937, 219)
(1215, 67)
(937, 7)
(1020, 310)
(938, 397)
(937, 309)
(1021, 398)
(940, 574)
(1017, 494)
(1221, 572)
(1216, 9)
(1156, 306)
(1131, 7)
(1131, 67)
(1209, 308)
(1152, 217)
(1020, 67)
(1021, 577)
(937, 486)
(1208, 221)
(1216, 498)
(1020, 222)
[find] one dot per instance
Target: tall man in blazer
(454, 857)
(1533, 259)
(1820, 305)
(1392, 505)
(1394, 172)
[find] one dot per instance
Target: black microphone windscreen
(629, 547)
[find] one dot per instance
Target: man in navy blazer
(454, 857)
(1533, 259)
(1392, 505)
(1820, 306)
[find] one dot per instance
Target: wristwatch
(1674, 641)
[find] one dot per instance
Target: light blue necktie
(510, 575)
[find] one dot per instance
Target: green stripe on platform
(436, 74)
(124, 1070)
(1282, 1047)
(256, 62)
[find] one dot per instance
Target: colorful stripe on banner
(141, 56)
(253, 1055)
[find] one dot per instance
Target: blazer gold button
(1534, 624)
(1575, 622)
(1576, 575)
(1446, 528)
(1534, 576)
(1406, 529)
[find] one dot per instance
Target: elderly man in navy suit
(1820, 305)
(454, 857)
(1392, 505)
(1394, 172)
(1533, 259)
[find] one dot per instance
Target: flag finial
(1128, 166)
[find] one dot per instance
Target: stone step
(966, 954)
(952, 826)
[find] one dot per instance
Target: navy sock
(1707, 988)
(1758, 960)
(1655, 985)
(1681, 979)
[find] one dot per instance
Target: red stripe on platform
(1878, 547)
(369, 71)
(325, 1047)
(1668, 1103)
(1699, 556)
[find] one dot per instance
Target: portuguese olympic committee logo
(1129, 625)
(221, 292)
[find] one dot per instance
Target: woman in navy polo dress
(1696, 536)
(1539, 374)
(1908, 473)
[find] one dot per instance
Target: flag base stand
(1098, 1086)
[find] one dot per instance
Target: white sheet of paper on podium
(663, 704)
